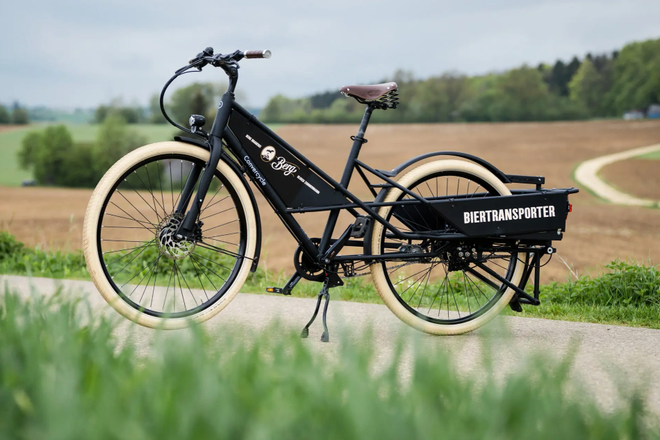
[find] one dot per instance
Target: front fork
(205, 176)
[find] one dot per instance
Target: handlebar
(257, 54)
(228, 62)
(219, 60)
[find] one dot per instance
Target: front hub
(168, 244)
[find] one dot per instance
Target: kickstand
(324, 293)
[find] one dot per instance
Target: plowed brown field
(597, 232)
(637, 177)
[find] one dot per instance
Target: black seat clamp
(359, 139)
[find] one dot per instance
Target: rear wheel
(447, 290)
(129, 238)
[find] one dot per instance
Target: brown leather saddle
(369, 93)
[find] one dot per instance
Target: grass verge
(62, 378)
(629, 294)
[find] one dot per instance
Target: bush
(9, 246)
(47, 153)
(64, 374)
(114, 140)
(626, 285)
(55, 159)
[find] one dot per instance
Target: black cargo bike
(173, 229)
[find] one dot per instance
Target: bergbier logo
(280, 164)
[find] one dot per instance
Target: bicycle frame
(221, 135)
(223, 142)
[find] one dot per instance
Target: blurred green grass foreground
(63, 379)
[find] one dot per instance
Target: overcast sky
(69, 53)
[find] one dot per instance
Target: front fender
(200, 143)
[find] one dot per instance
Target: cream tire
(378, 272)
(90, 227)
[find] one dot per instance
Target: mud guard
(505, 178)
(200, 143)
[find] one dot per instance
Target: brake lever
(208, 52)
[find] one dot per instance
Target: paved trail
(587, 174)
(604, 351)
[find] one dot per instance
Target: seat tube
(346, 178)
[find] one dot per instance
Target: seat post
(358, 140)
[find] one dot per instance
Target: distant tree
(45, 153)
(20, 116)
(101, 113)
(79, 171)
(113, 141)
(635, 78)
(30, 146)
(556, 79)
(4, 115)
(155, 115)
(520, 95)
(571, 69)
(325, 99)
(197, 98)
(586, 88)
(132, 114)
(437, 99)
(283, 109)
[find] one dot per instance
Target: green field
(652, 156)
(10, 143)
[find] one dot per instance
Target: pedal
(288, 287)
(360, 226)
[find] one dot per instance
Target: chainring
(305, 267)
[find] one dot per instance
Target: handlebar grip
(257, 54)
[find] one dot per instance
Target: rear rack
(527, 180)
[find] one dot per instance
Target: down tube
(275, 201)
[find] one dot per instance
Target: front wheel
(446, 290)
(133, 255)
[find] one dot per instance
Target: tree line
(197, 98)
(603, 85)
(18, 115)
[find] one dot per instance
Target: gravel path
(630, 355)
(587, 175)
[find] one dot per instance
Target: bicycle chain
(357, 275)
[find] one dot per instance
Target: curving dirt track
(597, 232)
